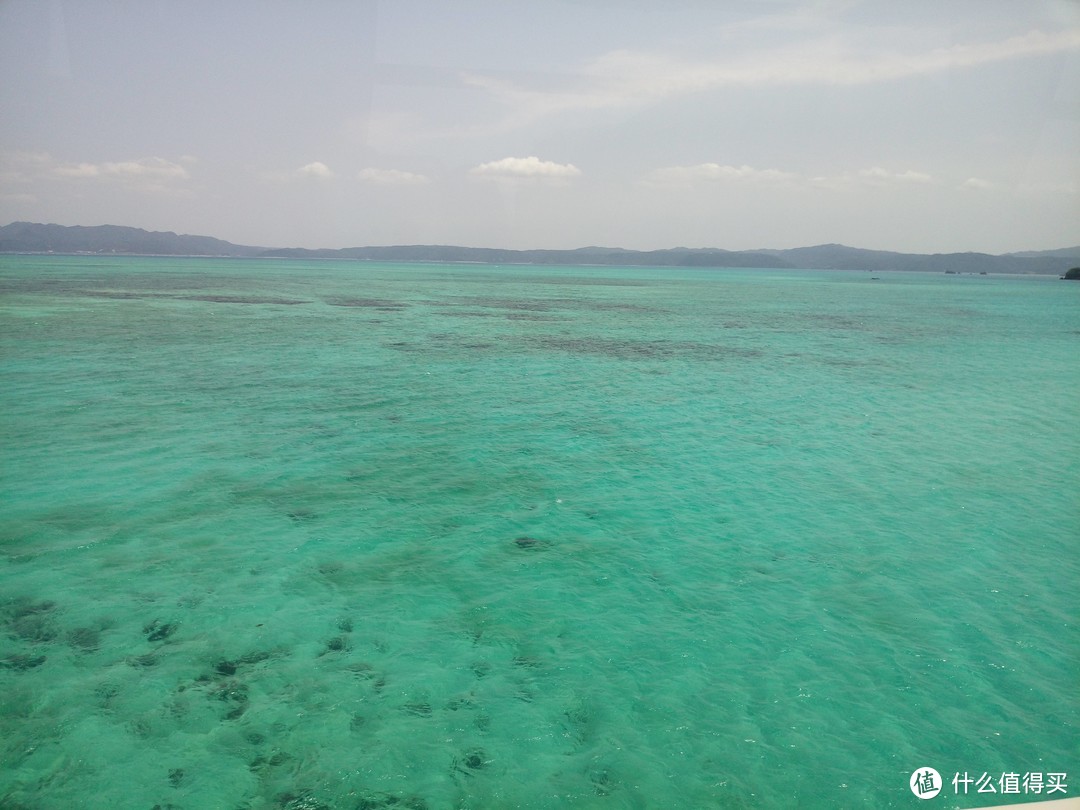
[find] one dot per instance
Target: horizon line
(552, 250)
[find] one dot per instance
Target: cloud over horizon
(629, 77)
(315, 169)
(678, 175)
(147, 174)
(153, 167)
(392, 177)
(716, 173)
(526, 167)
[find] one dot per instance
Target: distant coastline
(36, 238)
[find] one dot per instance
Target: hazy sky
(923, 125)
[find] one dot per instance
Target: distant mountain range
(29, 237)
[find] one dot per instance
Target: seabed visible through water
(289, 535)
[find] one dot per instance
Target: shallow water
(279, 534)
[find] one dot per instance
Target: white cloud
(874, 177)
(625, 78)
(879, 176)
(977, 184)
(148, 174)
(826, 61)
(315, 169)
(526, 167)
(152, 169)
(717, 173)
(78, 170)
(391, 177)
(680, 175)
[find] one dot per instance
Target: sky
(922, 126)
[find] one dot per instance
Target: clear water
(301, 535)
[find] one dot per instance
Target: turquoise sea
(284, 535)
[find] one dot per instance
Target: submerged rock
(474, 760)
(159, 631)
(303, 801)
(417, 709)
(231, 691)
(273, 761)
(379, 801)
(22, 663)
(85, 639)
(481, 669)
(530, 543)
(34, 627)
(363, 670)
(24, 606)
